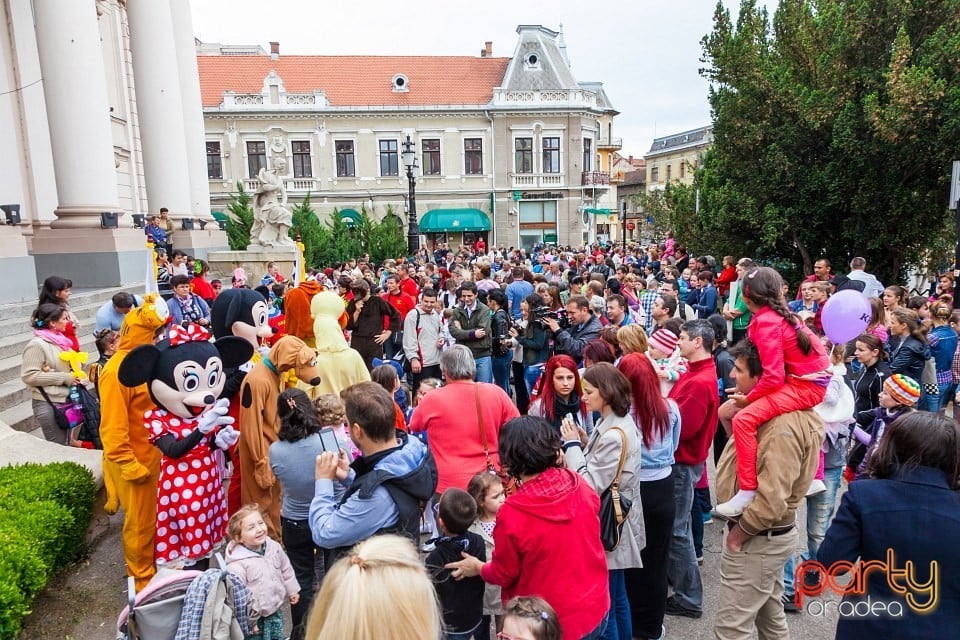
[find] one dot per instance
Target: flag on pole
(150, 277)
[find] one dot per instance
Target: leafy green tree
(834, 127)
(673, 208)
(344, 241)
(239, 219)
(387, 239)
(308, 227)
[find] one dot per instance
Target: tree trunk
(804, 254)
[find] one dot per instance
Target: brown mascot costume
(259, 423)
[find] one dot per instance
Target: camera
(543, 313)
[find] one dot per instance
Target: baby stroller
(186, 604)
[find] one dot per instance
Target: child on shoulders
(666, 359)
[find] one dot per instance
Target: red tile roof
(358, 80)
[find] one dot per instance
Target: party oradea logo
(846, 578)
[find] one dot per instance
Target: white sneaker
(816, 488)
(734, 507)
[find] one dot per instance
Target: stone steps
(15, 399)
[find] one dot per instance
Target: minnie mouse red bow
(190, 333)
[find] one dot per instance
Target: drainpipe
(493, 184)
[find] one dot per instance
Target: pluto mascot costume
(259, 423)
(184, 376)
(131, 464)
(339, 365)
(243, 313)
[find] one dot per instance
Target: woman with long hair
(870, 354)
(632, 339)
(614, 442)
(559, 395)
(878, 320)
(658, 421)
(292, 459)
(894, 297)
(533, 336)
(902, 512)
(57, 290)
(41, 368)
(907, 344)
(943, 344)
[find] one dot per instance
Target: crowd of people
(506, 392)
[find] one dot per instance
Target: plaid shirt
(195, 602)
(646, 302)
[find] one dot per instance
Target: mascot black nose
(274, 329)
(208, 400)
(315, 381)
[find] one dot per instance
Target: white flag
(150, 279)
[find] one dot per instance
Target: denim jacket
(657, 460)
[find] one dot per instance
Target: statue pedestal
(254, 262)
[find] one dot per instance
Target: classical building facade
(515, 150)
(675, 158)
(100, 122)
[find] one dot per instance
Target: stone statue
(272, 216)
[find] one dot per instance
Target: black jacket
(866, 391)
(908, 356)
(461, 600)
(573, 340)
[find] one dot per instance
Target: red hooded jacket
(547, 543)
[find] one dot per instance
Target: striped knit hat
(903, 389)
(664, 340)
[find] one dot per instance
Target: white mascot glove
(226, 438)
(215, 416)
(264, 351)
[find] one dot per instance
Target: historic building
(675, 158)
(512, 149)
(100, 122)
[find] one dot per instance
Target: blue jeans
(597, 633)
(946, 393)
(701, 505)
(484, 369)
(682, 569)
(531, 374)
(501, 371)
(819, 511)
(619, 624)
(929, 403)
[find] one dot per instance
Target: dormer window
(400, 83)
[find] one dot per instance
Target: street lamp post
(623, 222)
(413, 229)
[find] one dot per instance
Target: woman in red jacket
(547, 539)
(727, 275)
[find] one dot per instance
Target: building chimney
(274, 50)
(487, 51)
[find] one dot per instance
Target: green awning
(441, 220)
(219, 215)
(598, 212)
(350, 217)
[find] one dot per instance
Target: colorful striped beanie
(904, 389)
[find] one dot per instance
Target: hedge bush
(44, 513)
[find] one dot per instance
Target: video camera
(560, 315)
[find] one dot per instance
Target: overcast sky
(647, 54)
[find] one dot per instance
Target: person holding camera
(581, 327)
(533, 338)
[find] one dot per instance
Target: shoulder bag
(614, 508)
(509, 482)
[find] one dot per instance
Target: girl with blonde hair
(381, 569)
(632, 339)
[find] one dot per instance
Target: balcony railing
(534, 180)
(293, 185)
(610, 143)
(595, 179)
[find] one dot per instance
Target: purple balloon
(845, 315)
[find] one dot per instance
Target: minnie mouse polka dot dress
(191, 505)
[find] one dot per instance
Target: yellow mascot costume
(131, 465)
(339, 365)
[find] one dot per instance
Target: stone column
(192, 108)
(75, 91)
(160, 107)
